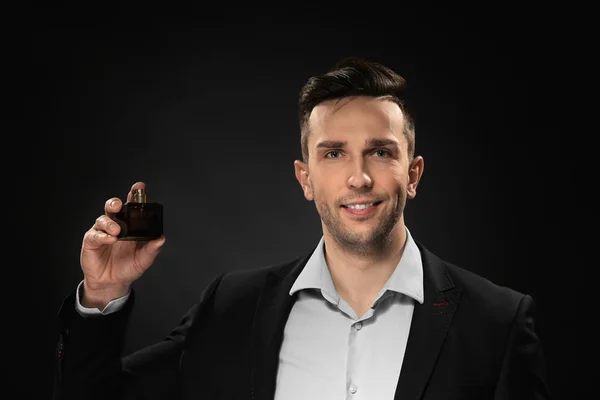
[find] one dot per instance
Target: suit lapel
(272, 311)
(429, 327)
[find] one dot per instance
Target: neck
(359, 277)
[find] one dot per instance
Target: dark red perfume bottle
(140, 220)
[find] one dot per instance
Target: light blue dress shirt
(328, 352)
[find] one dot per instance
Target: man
(370, 313)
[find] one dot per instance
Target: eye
(383, 153)
(332, 154)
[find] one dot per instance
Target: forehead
(354, 117)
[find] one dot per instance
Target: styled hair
(353, 76)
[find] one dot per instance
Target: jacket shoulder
(474, 287)
(485, 297)
(242, 287)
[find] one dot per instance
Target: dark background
(201, 105)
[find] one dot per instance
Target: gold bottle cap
(139, 196)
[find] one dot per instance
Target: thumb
(152, 248)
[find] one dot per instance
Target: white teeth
(359, 206)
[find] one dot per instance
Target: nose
(359, 177)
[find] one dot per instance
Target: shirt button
(358, 326)
(353, 389)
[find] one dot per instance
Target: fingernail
(113, 203)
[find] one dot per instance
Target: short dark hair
(353, 76)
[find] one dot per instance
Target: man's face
(358, 171)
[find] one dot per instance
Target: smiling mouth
(361, 206)
(362, 209)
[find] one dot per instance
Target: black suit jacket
(471, 339)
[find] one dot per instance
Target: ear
(415, 171)
(302, 176)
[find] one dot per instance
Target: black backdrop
(201, 105)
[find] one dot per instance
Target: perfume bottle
(140, 220)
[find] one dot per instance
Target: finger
(94, 238)
(106, 224)
(112, 206)
(134, 187)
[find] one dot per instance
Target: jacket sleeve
(89, 355)
(523, 372)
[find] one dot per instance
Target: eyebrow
(333, 144)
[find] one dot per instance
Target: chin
(361, 233)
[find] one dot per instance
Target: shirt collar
(407, 277)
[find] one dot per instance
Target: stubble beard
(374, 242)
